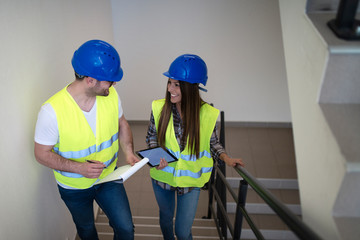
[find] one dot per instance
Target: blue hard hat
(99, 60)
(189, 68)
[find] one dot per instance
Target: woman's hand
(163, 164)
(232, 162)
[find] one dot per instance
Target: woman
(186, 126)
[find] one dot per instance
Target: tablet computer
(154, 155)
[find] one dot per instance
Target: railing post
(219, 185)
(345, 25)
(222, 193)
(290, 219)
(222, 128)
(243, 186)
(211, 193)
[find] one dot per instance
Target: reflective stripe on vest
(77, 142)
(188, 171)
(86, 152)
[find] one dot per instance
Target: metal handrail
(289, 218)
(240, 205)
(221, 217)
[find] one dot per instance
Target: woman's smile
(174, 90)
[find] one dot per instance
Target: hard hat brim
(167, 74)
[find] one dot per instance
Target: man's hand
(91, 169)
(46, 157)
(131, 159)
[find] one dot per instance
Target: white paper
(124, 172)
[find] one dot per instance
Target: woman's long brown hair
(191, 103)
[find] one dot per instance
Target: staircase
(147, 227)
(269, 156)
(272, 227)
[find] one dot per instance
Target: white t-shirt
(46, 130)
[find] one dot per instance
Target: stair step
(245, 234)
(268, 183)
(286, 190)
(268, 234)
(150, 226)
(109, 236)
(102, 218)
(258, 208)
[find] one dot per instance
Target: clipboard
(122, 173)
(154, 155)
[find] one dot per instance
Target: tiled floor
(267, 153)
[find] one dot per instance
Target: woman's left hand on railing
(232, 162)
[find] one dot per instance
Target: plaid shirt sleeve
(215, 147)
(151, 137)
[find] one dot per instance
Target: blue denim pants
(112, 199)
(185, 212)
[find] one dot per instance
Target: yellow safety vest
(78, 143)
(188, 171)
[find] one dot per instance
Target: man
(78, 133)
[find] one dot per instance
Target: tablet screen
(154, 155)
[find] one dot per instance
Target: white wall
(37, 42)
(240, 41)
(319, 161)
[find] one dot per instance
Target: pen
(89, 161)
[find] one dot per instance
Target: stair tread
(150, 236)
(153, 219)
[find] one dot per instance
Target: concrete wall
(239, 40)
(38, 39)
(320, 162)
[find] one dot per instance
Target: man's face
(101, 88)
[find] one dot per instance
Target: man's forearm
(46, 157)
(126, 141)
(125, 137)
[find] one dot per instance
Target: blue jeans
(112, 199)
(185, 212)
